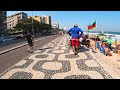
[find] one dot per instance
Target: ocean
(117, 34)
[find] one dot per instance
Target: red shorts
(75, 42)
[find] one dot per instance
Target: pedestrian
(70, 42)
(76, 33)
(60, 33)
(29, 39)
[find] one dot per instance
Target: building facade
(47, 19)
(37, 18)
(3, 23)
(13, 19)
(55, 25)
(43, 19)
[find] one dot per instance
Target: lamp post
(32, 25)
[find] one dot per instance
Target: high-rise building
(48, 20)
(13, 19)
(3, 23)
(43, 19)
(55, 25)
(37, 18)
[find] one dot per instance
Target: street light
(32, 24)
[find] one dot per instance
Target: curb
(11, 49)
(1, 74)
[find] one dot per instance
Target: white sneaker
(31, 51)
(28, 50)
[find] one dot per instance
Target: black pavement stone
(78, 77)
(82, 66)
(71, 56)
(65, 67)
(29, 61)
(42, 56)
(65, 51)
(21, 75)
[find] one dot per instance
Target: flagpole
(96, 40)
(93, 27)
(88, 29)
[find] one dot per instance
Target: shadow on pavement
(45, 48)
(82, 49)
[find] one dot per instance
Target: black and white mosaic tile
(82, 66)
(28, 62)
(78, 77)
(50, 67)
(42, 56)
(71, 56)
(64, 51)
(21, 75)
(65, 67)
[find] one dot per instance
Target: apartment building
(3, 23)
(37, 18)
(42, 19)
(13, 19)
(47, 19)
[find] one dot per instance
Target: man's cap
(75, 25)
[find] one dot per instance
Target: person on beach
(109, 45)
(115, 50)
(70, 41)
(86, 41)
(81, 40)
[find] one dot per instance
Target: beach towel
(103, 50)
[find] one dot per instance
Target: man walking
(29, 39)
(76, 33)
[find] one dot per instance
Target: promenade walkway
(56, 61)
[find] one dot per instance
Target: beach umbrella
(109, 41)
(102, 34)
(101, 37)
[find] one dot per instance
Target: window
(18, 17)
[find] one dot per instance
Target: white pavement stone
(58, 51)
(50, 57)
(91, 63)
(80, 56)
(21, 63)
(56, 48)
(64, 48)
(52, 65)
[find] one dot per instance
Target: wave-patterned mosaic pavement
(56, 61)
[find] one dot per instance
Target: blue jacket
(74, 32)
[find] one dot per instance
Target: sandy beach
(110, 63)
(115, 56)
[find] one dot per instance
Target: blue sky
(106, 20)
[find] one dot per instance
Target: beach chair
(98, 45)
